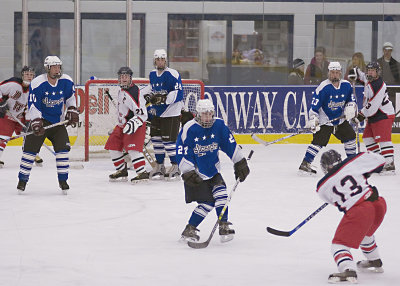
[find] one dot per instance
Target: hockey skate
(346, 276)
(63, 186)
(388, 169)
(374, 266)
(21, 186)
(1, 164)
(173, 173)
(190, 234)
(158, 172)
(141, 178)
(38, 161)
(306, 169)
(120, 175)
(225, 233)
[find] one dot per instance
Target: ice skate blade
(122, 179)
(337, 280)
(387, 173)
(226, 238)
(64, 192)
(156, 177)
(371, 269)
(38, 164)
(20, 192)
(185, 239)
(172, 179)
(302, 173)
(140, 181)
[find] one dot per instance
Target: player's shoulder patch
(322, 85)
(37, 81)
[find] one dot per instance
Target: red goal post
(101, 115)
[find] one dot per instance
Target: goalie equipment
(37, 127)
(313, 124)
(120, 175)
(350, 110)
(226, 233)
(132, 125)
(346, 276)
(370, 266)
(205, 113)
(192, 178)
(190, 233)
(329, 159)
(241, 170)
(72, 116)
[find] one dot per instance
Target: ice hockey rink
(120, 234)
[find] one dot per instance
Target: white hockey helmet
(205, 113)
(51, 61)
(334, 66)
(160, 54)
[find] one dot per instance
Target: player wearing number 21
(345, 185)
(129, 133)
(51, 99)
(332, 105)
(198, 145)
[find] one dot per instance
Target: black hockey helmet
(125, 70)
(373, 65)
(27, 69)
(329, 159)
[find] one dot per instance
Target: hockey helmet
(334, 66)
(160, 54)
(373, 66)
(125, 84)
(329, 159)
(205, 113)
(27, 74)
(52, 61)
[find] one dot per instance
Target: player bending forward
(345, 185)
(14, 94)
(49, 95)
(129, 134)
(197, 153)
(379, 112)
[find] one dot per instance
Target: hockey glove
(132, 125)
(350, 110)
(72, 116)
(352, 74)
(192, 178)
(314, 124)
(37, 127)
(241, 170)
(186, 116)
(360, 118)
(158, 98)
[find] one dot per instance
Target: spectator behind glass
(317, 70)
(237, 57)
(357, 60)
(296, 75)
(390, 67)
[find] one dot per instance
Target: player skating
(197, 152)
(345, 186)
(50, 94)
(13, 102)
(129, 134)
(379, 113)
(333, 99)
(165, 94)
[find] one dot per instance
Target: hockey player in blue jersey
(165, 96)
(333, 99)
(49, 95)
(197, 153)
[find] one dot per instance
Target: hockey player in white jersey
(13, 102)
(197, 152)
(333, 99)
(345, 186)
(51, 99)
(129, 133)
(165, 94)
(379, 112)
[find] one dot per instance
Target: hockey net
(98, 115)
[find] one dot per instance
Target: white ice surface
(120, 234)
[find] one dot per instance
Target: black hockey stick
(204, 244)
(289, 233)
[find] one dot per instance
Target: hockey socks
(26, 166)
(62, 162)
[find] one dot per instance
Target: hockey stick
(357, 131)
(289, 233)
(145, 151)
(199, 245)
(31, 132)
(266, 143)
